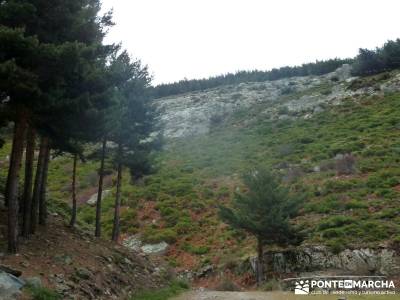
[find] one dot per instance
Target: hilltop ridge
(196, 112)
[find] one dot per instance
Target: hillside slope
(332, 137)
(71, 264)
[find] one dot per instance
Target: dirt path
(210, 295)
(213, 295)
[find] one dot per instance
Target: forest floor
(75, 265)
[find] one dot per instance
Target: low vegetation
(175, 288)
(42, 293)
(351, 199)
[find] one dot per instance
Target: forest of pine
(63, 89)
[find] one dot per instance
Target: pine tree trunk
(43, 189)
(27, 195)
(37, 188)
(260, 262)
(115, 232)
(100, 191)
(73, 212)
(13, 182)
(11, 159)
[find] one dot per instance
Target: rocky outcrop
(10, 286)
(342, 73)
(93, 199)
(319, 258)
(76, 265)
(134, 243)
(196, 113)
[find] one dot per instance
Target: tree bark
(13, 181)
(97, 232)
(43, 189)
(37, 188)
(7, 188)
(74, 208)
(115, 232)
(27, 195)
(260, 262)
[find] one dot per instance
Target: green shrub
(388, 213)
(333, 233)
(175, 287)
(338, 186)
(184, 226)
(179, 189)
(329, 204)
(287, 90)
(355, 204)
(336, 245)
(170, 215)
(42, 293)
(198, 250)
(129, 222)
(223, 192)
(335, 221)
(271, 285)
(283, 110)
(153, 236)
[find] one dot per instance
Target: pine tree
(28, 182)
(51, 61)
(19, 83)
(368, 62)
(37, 188)
(264, 211)
(129, 122)
(97, 232)
(74, 204)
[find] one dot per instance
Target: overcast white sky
(201, 38)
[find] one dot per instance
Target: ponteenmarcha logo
(302, 287)
(343, 285)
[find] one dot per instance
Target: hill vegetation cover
(81, 138)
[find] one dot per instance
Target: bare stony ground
(212, 295)
(77, 265)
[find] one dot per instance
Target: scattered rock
(316, 258)
(10, 286)
(342, 73)
(64, 259)
(158, 249)
(205, 271)
(56, 278)
(25, 264)
(83, 273)
(186, 275)
(62, 288)
(133, 242)
(11, 271)
(34, 281)
(128, 262)
(67, 260)
(339, 156)
(93, 199)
